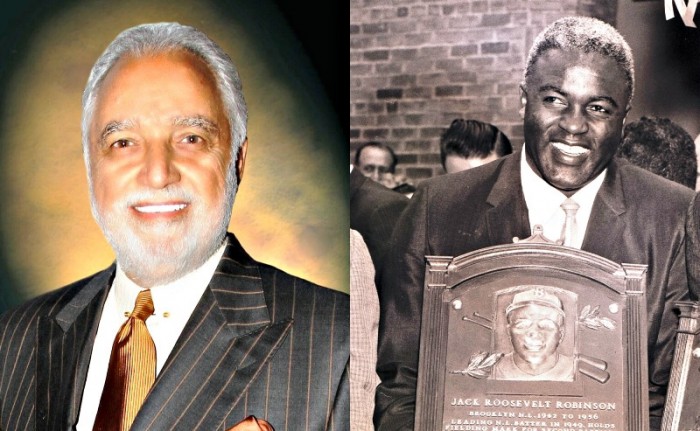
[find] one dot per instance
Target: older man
(376, 161)
(185, 331)
(576, 93)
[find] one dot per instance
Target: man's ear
(523, 101)
(240, 160)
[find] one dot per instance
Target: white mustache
(168, 194)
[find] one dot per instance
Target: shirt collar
(179, 296)
(543, 200)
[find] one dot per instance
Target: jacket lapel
(224, 345)
(606, 223)
(508, 217)
(64, 345)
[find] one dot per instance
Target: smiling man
(577, 90)
(535, 325)
(185, 331)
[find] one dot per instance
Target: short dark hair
(660, 146)
(584, 34)
(473, 138)
(375, 144)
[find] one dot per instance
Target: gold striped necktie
(132, 370)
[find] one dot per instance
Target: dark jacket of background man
(374, 211)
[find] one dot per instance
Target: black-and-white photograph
(473, 122)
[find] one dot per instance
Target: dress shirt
(544, 203)
(173, 303)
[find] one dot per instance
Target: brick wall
(415, 65)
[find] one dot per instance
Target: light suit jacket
(259, 342)
(364, 321)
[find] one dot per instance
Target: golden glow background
(291, 210)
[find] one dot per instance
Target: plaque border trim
(445, 272)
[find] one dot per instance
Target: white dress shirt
(543, 203)
(173, 302)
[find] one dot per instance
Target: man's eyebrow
(115, 126)
(197, 121)
(556, 89)
(608, 99)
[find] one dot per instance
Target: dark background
(323, 40)
(327, 43)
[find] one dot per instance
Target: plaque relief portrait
(535, 337)
(533, 334)
(534, 324)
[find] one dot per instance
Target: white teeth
(160, 208)
(534, 346)
(571, 150)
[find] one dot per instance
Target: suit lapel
(606, 223)
(508, 204)
(64, 346)
(224, 345)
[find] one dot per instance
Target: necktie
(131, 372)
(568, 232)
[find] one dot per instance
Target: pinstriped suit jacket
(259, 342)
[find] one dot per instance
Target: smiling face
(574, 106)
(159, 165)
(535, 332)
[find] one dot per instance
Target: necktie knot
(570, 206)
(143, 308)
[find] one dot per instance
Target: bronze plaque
(532, 337)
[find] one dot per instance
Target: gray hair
(587, 35)
(148, 39)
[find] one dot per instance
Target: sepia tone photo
(532, 330)
(484, 119)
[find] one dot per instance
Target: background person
(662, 147)
(378, 162)
(467, 144)
(364, 321)
(374, 211)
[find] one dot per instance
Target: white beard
(153, 253)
